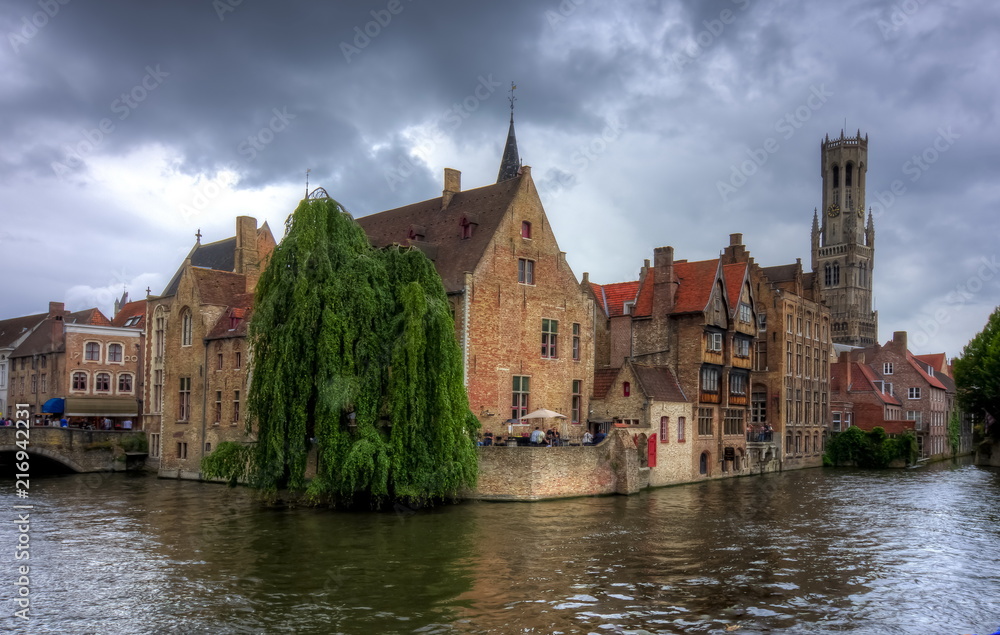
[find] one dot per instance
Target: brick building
(524, 325)
(77, 365)
(195, 351)
(859, 396)
(923, 397)
(13, 331)
(790, 394)
(697, 319)
(650, 404)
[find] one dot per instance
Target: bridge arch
(50, 454)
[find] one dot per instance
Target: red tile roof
(658, 383)
(937, 361)
(864, 380)
(239, 312)
(697, 280)
(612, 297)
(933, 381)
(131, 310)
(603, 378)
(735, 275)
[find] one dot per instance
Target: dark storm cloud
(373, 97)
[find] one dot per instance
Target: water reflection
(812, 551)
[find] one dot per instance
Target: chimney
(664, 281)
(245, 259)
(586, 278)
(56, 309)
(899, 342)
(735, 252)
(845, 360)
(452, 186)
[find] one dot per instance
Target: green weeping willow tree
(353, 350)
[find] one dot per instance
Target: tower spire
(511, 161)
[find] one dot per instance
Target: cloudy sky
(128, 126)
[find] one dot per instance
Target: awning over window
(102, 407)
(53, 406)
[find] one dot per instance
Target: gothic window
(187, 324)
(836, 273)
(836, 176)
(847, 174)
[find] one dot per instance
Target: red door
(651, 453)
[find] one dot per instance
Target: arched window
(664, 429)
(114, 352)
(703, 463)
(848, 173)
(836, 273)
(187, 326)
(827, 275)
(125, 382)
(79, 381)
(159, 335)
(626, 389)
(525, 229)
(836, 176)
(92, 352)
(102, 382)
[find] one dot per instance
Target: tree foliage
(354, 353)
(977, 372)
(873, 449)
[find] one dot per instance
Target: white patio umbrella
(544, 413)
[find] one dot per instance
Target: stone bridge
(80, 450)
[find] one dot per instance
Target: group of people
(547, 438)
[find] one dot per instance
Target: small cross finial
(198, 235)
(512, 99)
(148, 290)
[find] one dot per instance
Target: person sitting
(599, 437)
(537, 437)
(488, 439)
(588, 438)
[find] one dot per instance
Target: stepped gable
(659, 383)
(437, 230)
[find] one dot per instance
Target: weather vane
(512, 99)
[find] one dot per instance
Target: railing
(760, 436)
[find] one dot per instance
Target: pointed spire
(511, 161)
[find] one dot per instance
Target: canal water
(813, 551)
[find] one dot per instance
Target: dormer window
(525, 229)
(416, 232)
(468, 227)
(628, 308)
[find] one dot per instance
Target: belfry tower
(843, 244)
